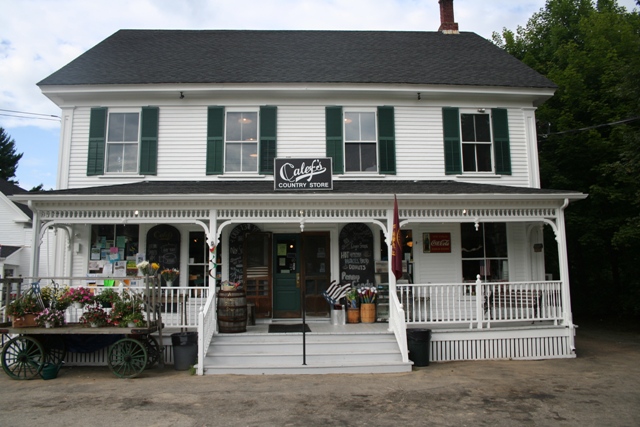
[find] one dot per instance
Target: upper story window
(360, 142)
(476, 142)
(241, 141)
(122, 142)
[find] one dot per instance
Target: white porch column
(212, 240)
(563, 259)
(35, 242)
(392, 277)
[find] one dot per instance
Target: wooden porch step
(264, 353)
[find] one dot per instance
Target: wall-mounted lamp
(481, 110)
(181, 95)
(537, 247)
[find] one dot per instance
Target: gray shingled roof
(161, 188)
(231, 56)
(9, 189)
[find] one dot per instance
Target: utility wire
(31, 114)
(631, 119)
(51, 118)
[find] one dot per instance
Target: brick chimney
(447, 21)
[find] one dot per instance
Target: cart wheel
(127, 358)
(153, 351)
(54, 349)
(23, 358)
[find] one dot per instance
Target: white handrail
(207, 325)
(398, 325)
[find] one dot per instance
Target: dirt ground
(601, 387)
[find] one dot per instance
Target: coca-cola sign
(303, 174)
(436, 243)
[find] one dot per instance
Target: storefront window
(114, 249)
(484, 252)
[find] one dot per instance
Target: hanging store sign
(303, 174)
(436, 243)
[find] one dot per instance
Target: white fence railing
(478, 304)
(207, 326)
(398, 325)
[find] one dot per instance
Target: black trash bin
(418, 343)
(185, 350)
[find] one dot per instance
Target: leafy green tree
(8, 157)
(588, 139)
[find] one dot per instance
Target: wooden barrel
(367, 313)
(232, 311)
(353, 315)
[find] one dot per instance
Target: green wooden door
(286, 286)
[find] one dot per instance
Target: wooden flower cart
(30, 350)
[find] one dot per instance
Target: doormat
(278, 328)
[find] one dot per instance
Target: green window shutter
(97, 141)
(268, 143)
(335, 149)
(501, 144)
(386, 140)
(149, 141)
(215, 140)
(452, 144)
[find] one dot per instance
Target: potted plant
(107, 297)
(50, 317)
(353, 309)
(146, 268)
(23, 310)
(94, 316)
(368, 304)
(170, 275)
(134, 320)
(55, 297)
(79, 296)
(128, 304)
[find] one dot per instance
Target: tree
(591, 50)
(8, 157)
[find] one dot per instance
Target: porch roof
(253, 190)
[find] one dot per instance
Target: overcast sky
(37, 37)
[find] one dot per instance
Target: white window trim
(121, 110)
(374, 110)
(238, 174)
(483, 174)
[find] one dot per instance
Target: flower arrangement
(107, 297)
(148, 268)
(169, 275)
(50, 315)
(353, 298)
(55, 297)
(27, 303)
(128, 305)
(135, 319)
(367, 295)
(230, 286)
(80, 295)
(95, 316)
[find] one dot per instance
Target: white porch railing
(398, 325)
(478, 304)
(207, 326)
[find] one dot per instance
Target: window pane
(496, 239)
(130, 163)
(471, 268)
(115, 154)
(368, 157)
(367, 127)
(483, 129)
(242, 126)
(233, 126)
(116, 127)
(468, 127)
(351, 127)
(352, 157)
(232, 157)
(483, 152)
(249, 157)
(469, 157)
(472, 242)
(131, 127)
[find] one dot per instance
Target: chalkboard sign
(356, 255)
(236, 243)
(163, 246)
